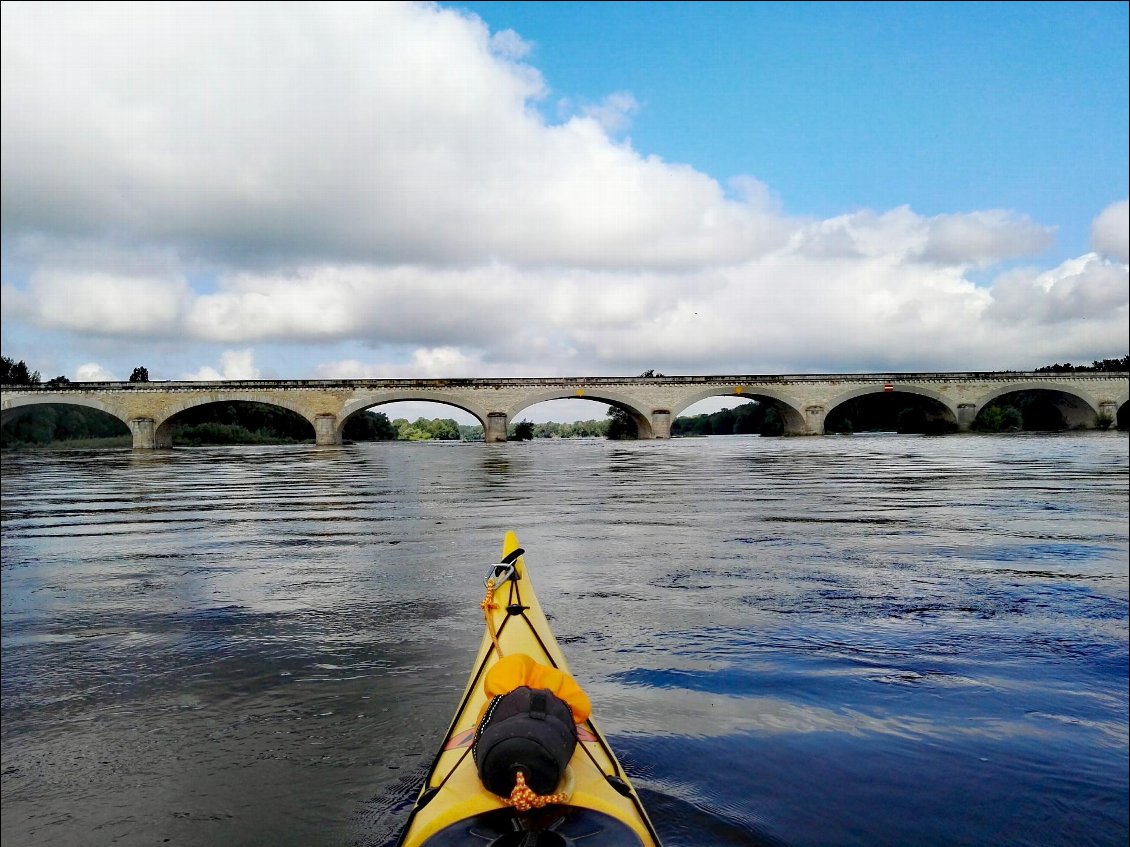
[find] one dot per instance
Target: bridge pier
(661, 423)
(966, 414)
(326, 433)
(814, 419)
(1109, 409)
(144, 432)
(498, 424)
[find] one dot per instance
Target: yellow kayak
(593, 804)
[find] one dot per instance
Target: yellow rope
(487, 605)
(523, 797)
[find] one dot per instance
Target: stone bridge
(802, 401)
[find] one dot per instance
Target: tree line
(1102, 365)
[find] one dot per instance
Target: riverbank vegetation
(62, 425)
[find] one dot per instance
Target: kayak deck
(453, 807)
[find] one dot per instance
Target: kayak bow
(454, 808)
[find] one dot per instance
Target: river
(860, 640)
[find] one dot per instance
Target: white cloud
(1084, 289)
(614, 113)
(425, 362)
(755, 194)
(983, 238)
(93, 372)
(976, 239)
(1110, 232)
(507, 44)
(416, 142)
(234, 365)
(849, 292)
(95, 302)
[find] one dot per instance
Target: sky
(374, 190)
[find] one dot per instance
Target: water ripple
(875, 641)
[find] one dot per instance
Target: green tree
(1103, 365)
(523, 431)
(37, 426)
(406, 431)
(691, 426)
(999, 418)
(744, 419)
(471, 432)
(17, 373)
(621, 426)
(1039, 411)
(369, 426)
(140, 374)
(240, 422)
(60, 423)
(440, 429)
(748, 418)
(722, 422)
(1030, 411)
(773, 424)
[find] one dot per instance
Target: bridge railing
(527, 382)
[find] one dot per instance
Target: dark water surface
(869, 640)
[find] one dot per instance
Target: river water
(863, 640)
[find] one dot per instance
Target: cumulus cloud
(234, 365)
(853, 289)
(1110, 232)
(1087, 288)
(93, 372)
(425, 362)
(95, 302)
(615, 112)
(976, 239)
(416, 142)
(507, 44)
(983, 238)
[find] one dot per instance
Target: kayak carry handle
(504, 570)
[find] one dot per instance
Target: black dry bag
(527, 729)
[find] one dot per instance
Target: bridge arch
(361, 404)
(163, 426)
(784, 404)
(947, 407)
(21, 404)
(1078, 409)
(641, 417)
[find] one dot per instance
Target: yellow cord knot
(488, 605)
(488, 601)
(523, 797)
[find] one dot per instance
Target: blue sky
(947, 107)
(524, 189)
